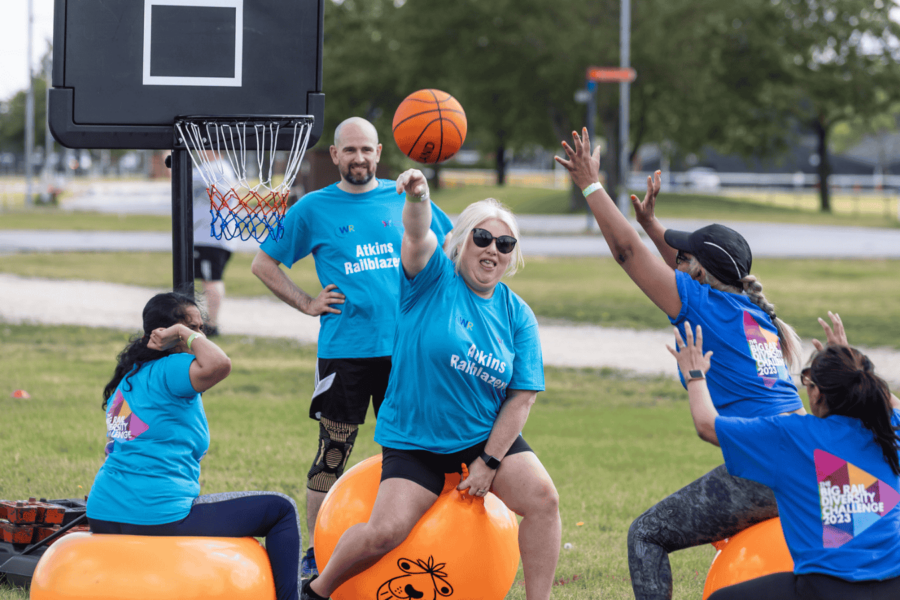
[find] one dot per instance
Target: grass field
(614, 445)
(583, 290)
(744, 206)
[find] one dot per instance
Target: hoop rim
(245, 118)
(286, 125)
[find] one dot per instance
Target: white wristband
(591, 189)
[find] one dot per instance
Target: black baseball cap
(721, 250)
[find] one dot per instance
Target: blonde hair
(753, 289)
(475, 214)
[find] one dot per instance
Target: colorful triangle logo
(851, 499)
(765, 347)
(129, 425)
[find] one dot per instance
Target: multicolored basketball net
(249, 204)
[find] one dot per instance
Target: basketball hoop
(252, 203)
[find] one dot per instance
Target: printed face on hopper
(482, 268)
(357, 155)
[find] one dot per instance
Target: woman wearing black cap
(705, 279)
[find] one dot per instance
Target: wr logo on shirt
(343, 230)
(464, 323)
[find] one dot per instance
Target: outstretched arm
(655, 278)
(645, 213)
(690, 357)
(835, 335)
(419, 242)
(267, 269)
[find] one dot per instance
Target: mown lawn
(614, 445)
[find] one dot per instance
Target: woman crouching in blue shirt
(467, 368)
(836, 475)
(156, 436)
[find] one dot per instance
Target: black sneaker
(308, 594)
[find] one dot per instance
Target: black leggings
(787, 586)
(714, 507)
(237, 514)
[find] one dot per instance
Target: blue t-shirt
(748, 376)
(837, 496)
(456, 355)
(156, 435)
(355, 241)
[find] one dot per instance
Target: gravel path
(98, 304)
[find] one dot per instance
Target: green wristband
(412, 198)
(591, 189)
(191, 338)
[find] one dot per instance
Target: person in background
(211, 254)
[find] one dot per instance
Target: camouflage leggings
(714, 507)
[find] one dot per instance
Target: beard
(357, 179)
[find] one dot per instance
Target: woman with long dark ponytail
(156, 436)
(835, 473)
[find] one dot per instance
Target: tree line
(740, 76)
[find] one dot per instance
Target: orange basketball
(430, 126)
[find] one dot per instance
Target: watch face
(695, 374)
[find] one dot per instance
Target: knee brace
(335, 443)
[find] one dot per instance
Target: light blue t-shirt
(355, 241)
(156, 435)
(456, 355)
(748, 376)
(837, 496)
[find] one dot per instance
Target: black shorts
(344, 386)
(428, 468)
(209, 262)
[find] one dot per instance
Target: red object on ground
(20, 394)
(21, 513)
(16, 534)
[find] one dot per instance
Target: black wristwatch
(695, 374)
(490, 461)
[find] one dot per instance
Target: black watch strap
(490, 461)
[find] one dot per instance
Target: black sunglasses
(681, 257)
(483, 239)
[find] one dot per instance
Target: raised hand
(690, 353)
(834, 336)
(414, 183)
(582, 164)
(166, 338)
(644, 211)
(322, 303)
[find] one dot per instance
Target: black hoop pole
(182, 222)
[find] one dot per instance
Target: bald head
(356, 153)
(355, 126)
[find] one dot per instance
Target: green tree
(12, 118)
(759, 70)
